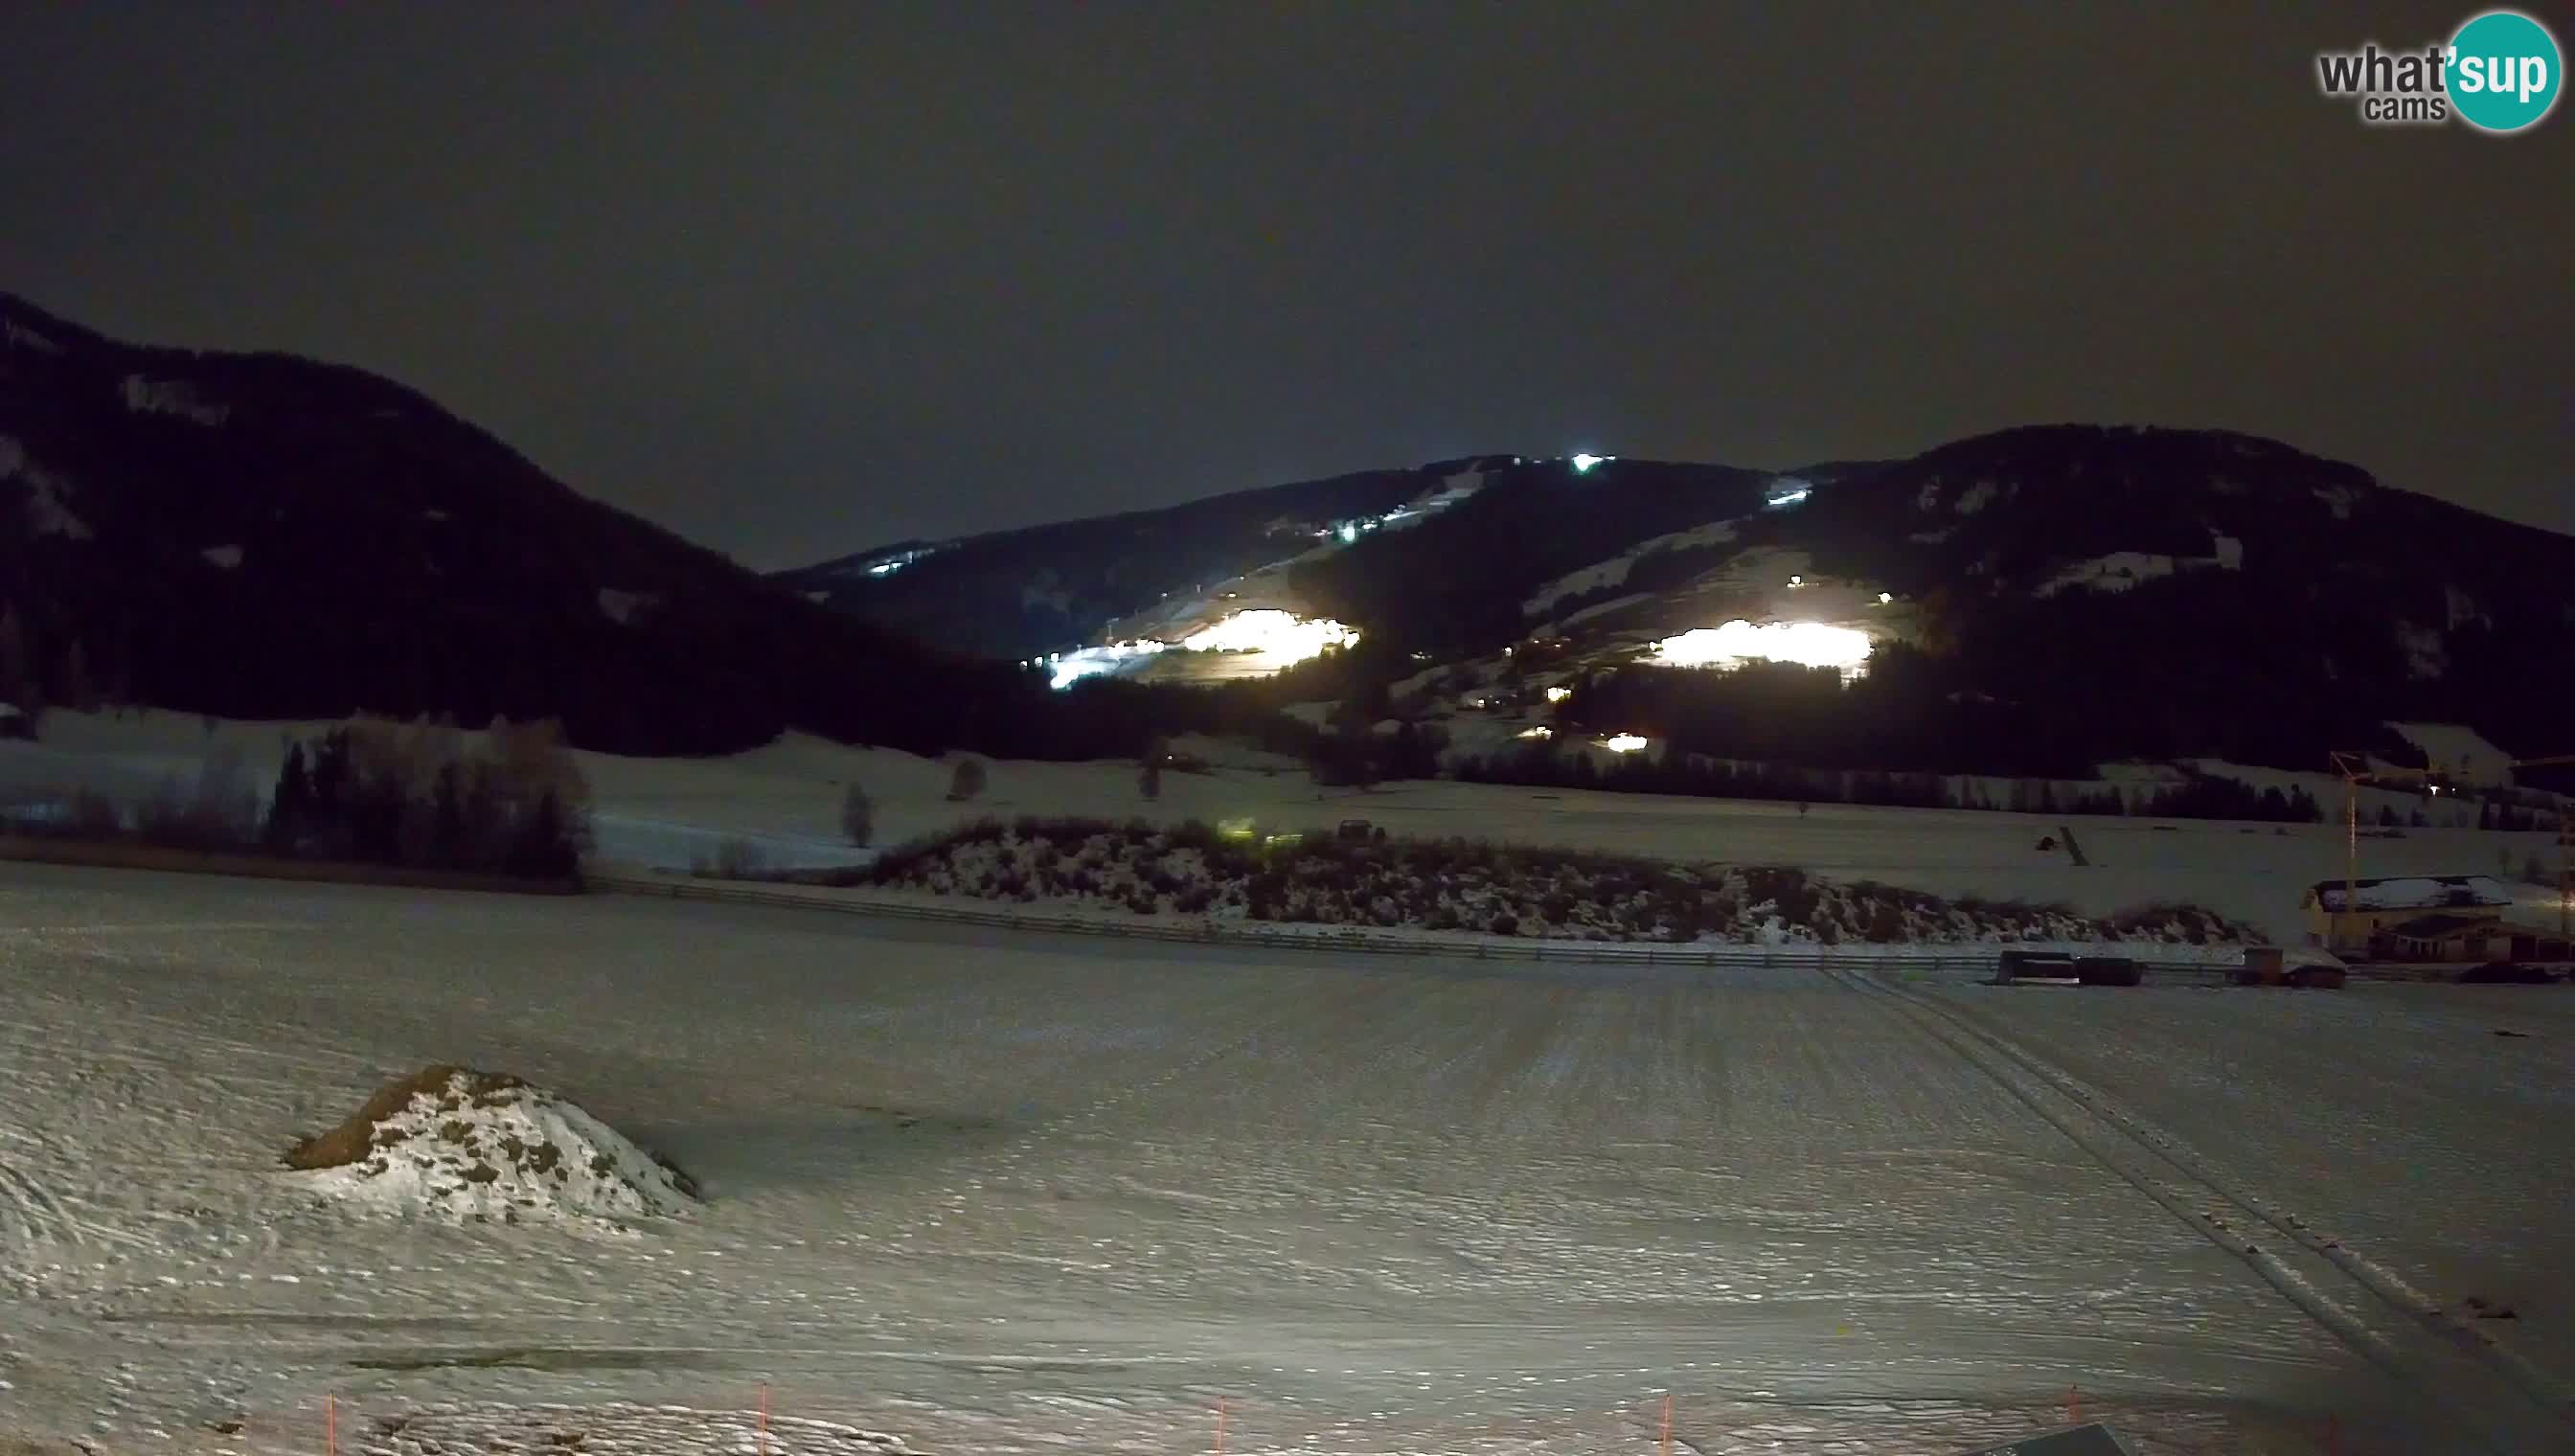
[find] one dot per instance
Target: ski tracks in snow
(31, 1217)
(2512, 1404)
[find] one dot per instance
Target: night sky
(795, 278)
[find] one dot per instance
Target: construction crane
(2355, 765)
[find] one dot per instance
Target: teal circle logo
(2504, 71)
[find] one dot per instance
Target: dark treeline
(1900, 719)
(1914, 713)
(510, 803)
(2198, 797)
(417, 797)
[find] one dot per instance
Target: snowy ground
(991, 1193)
(2445, 1153)
(786, 798)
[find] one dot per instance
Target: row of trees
(512, 803)
(2198, 797)
(509, 801)
(36, 674)
(2510, 817)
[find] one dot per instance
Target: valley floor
(1000, 1193)
(784, 800)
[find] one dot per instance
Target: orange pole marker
(1667, 1423)
(2073, 1405)
(764, 1418)
(330, 1424)
(1220, 1426)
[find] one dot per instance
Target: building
(2444, 938)
(2534, 944)
(2386, 903)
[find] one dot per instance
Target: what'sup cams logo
(2501, 72)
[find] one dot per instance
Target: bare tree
(738, 858)
(80, 694)
(858, 816)
(13, 656)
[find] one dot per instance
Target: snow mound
(452, 1143)
(620, 1429)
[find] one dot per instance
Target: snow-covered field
(989, 1193)
(784, 798)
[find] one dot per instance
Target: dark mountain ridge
(2165, 592)
(1043, 588)
(263, 535)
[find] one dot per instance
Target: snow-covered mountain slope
(261, 535)
(1614, 571)
(2131, 574)
(1048, 589)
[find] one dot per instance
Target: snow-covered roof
(2414, 892)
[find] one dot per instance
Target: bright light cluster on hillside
(1282, 639)
(1091, 662)
(1282, 635)
(892, 564)
(1810, 644)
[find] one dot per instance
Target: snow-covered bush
(1465, 884)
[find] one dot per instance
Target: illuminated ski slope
(1256, 643)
